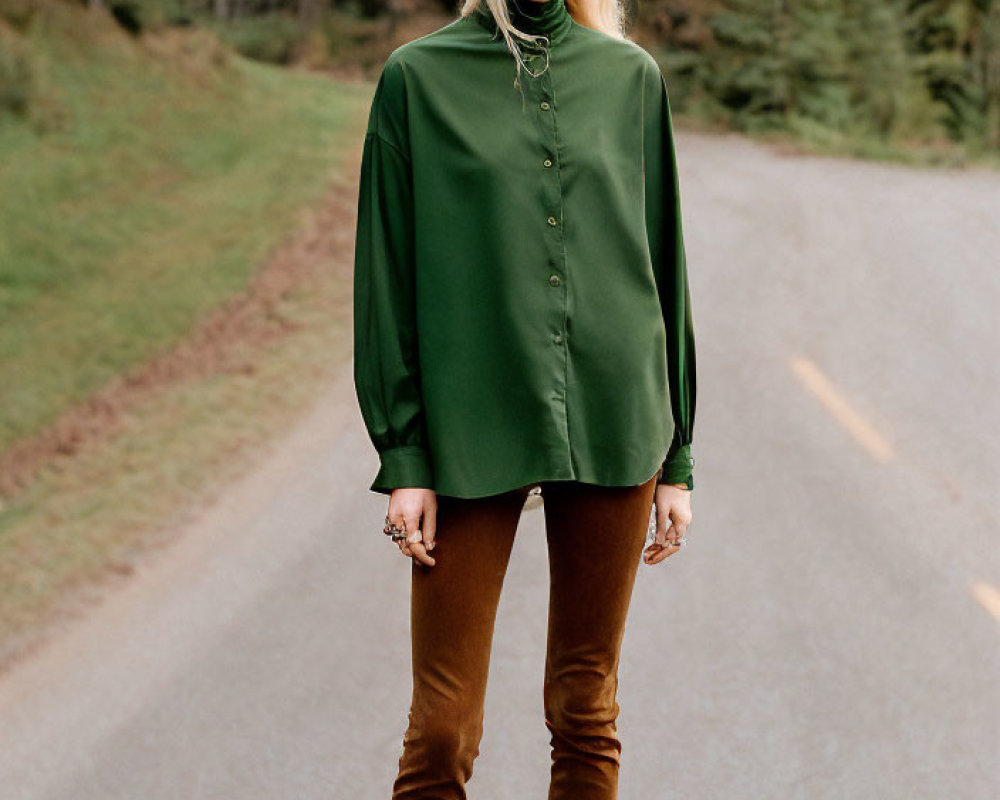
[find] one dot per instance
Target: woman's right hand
(415, 510)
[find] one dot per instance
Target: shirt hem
(548, 476)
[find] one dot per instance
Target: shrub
(271, 38)
(17, 75)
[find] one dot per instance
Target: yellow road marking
(988, 597)
(840, 409)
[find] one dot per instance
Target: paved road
(827, 634)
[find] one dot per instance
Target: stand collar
(545, 17)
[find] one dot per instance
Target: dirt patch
(223, 342)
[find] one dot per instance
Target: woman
(523, 322)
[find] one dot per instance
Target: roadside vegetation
(917, 80)
(168, 286)
(143, 185)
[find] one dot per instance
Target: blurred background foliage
(894, 72)
(858, 75)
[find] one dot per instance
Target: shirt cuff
(678, 467)
(404, 467)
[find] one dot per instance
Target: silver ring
(397, 535)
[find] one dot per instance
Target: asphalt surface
(830, 632)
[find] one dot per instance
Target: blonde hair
(607, 16)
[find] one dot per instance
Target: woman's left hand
(673, 515)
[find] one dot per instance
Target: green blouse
(521, 303)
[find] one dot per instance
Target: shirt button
(557, 338)
(547, 162)
(545, 105)
(554, 280)
(552, 220)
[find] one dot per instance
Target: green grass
(88, 520)
(173, 168)
(150, 180)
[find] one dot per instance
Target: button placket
(554, 190)
(552, 194)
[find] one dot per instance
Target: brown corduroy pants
(595, 537)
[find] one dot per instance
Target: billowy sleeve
(386, 367)
(666, 242)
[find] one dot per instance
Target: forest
(849, 75)
(890, 71)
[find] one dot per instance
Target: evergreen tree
(957, 45)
